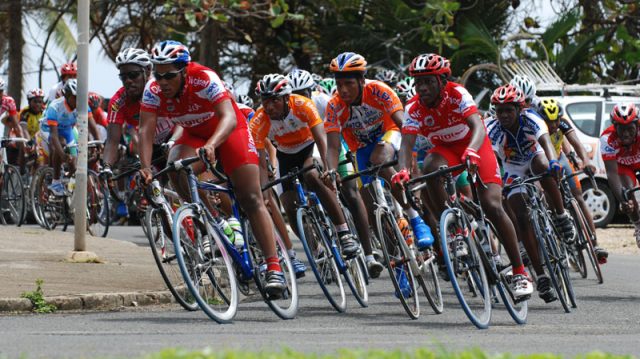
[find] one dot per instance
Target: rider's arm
(226, 124)
(577, 146)
(13, 122)
(397, 118)
(54, 140)
(114, 132)
(93, 129)
(146, 133)
(611, 166)
(405, 156)
(333, 150)
(320, 137)
(478, 132)
(545, 143)
(264, 170)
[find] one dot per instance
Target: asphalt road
(607, 319)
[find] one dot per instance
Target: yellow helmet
(549, 109)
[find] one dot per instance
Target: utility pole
(82, 102)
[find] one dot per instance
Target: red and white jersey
(122, 111)
(446, 124)
(8, 106)
(193, 108)
(246, 111)
(612, 149)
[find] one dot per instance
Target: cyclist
(369, 115)
(58, 128)
(559, 128)
(294, 125)
(302, 84)
(445, 113)
(67, 71)
(521, 141)
(327, 86)
(387, 76)
(8, 108)
(193, 96)
(99, 115)
(30, 116)
(620, 148)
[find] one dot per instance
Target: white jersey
(321, 100)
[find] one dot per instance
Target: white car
(590, 116)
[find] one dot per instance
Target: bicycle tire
(355, 274)
(12, 202)
(539, 227)
(389, 234)
(562, 267)
(97, 206)
(429, 281)
(320, 259)
(287, 306)
(163, 251)
(454, 231)
(205, 283)
(50, 208)
(585, 242)
(518, 310)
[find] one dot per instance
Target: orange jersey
(366, 123)
(291, 134)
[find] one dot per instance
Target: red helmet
(624, 114)
(69, 69)
(507, 94)
(429, 64)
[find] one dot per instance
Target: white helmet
(133, 56)
(245, 100)
(300, 80)
(1, 85)
(70, 86)
(273, 85)
(525, 85)
(170, 52)
(406, 88)
(387, 76)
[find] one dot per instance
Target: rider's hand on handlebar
(473, 156)
(328, 178)
(210, 152)
(106, 173)
(555, 168)
(146, 175)
(589, 167)
(400, 177)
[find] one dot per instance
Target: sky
(103, 73)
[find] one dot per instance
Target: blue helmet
(170, 52)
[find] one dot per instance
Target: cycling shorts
(513, 171)
(629, 171)
(488, 169)
(289, 161)
(363, 154)
(238, 150)
(67, 137)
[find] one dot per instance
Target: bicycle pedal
(521, 299)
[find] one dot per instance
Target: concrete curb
(101, 301)
(96, 301)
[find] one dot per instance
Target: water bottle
(156, 193)
(224, 226)
(403, 224)
(237, 232)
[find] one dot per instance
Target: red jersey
(122, 110)
(8, 105)
(446, 124)
(612, 149)
(193, 108)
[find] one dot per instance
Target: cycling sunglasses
(131, 75)
(166, 75)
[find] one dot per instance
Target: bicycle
(195, 228)
(398, 256)
(12, 199)
(548, 237)
(468, 243)
(318, 237)
(51, 210)
(585, 237)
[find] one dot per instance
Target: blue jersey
(59, 114)
(521, 147)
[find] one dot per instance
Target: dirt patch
(618, 239)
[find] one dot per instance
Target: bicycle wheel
(460, 254)
(321, 259)
(285, 307)
(356, 274)
(12, 201)
(35, 192)
(398, 266)
(518, 310)
(559, 250)
(428, 279)
(208, 274)
(51, 208)
(97, 206)
(586, 239)
(545, 234)
(163, 251)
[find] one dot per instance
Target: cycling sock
(519, 270)
(291, 253)
(412, 213)
(369, 258)
(273, 264)
(342, 228)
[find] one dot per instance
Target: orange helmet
(624, 114)
(348, 64)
